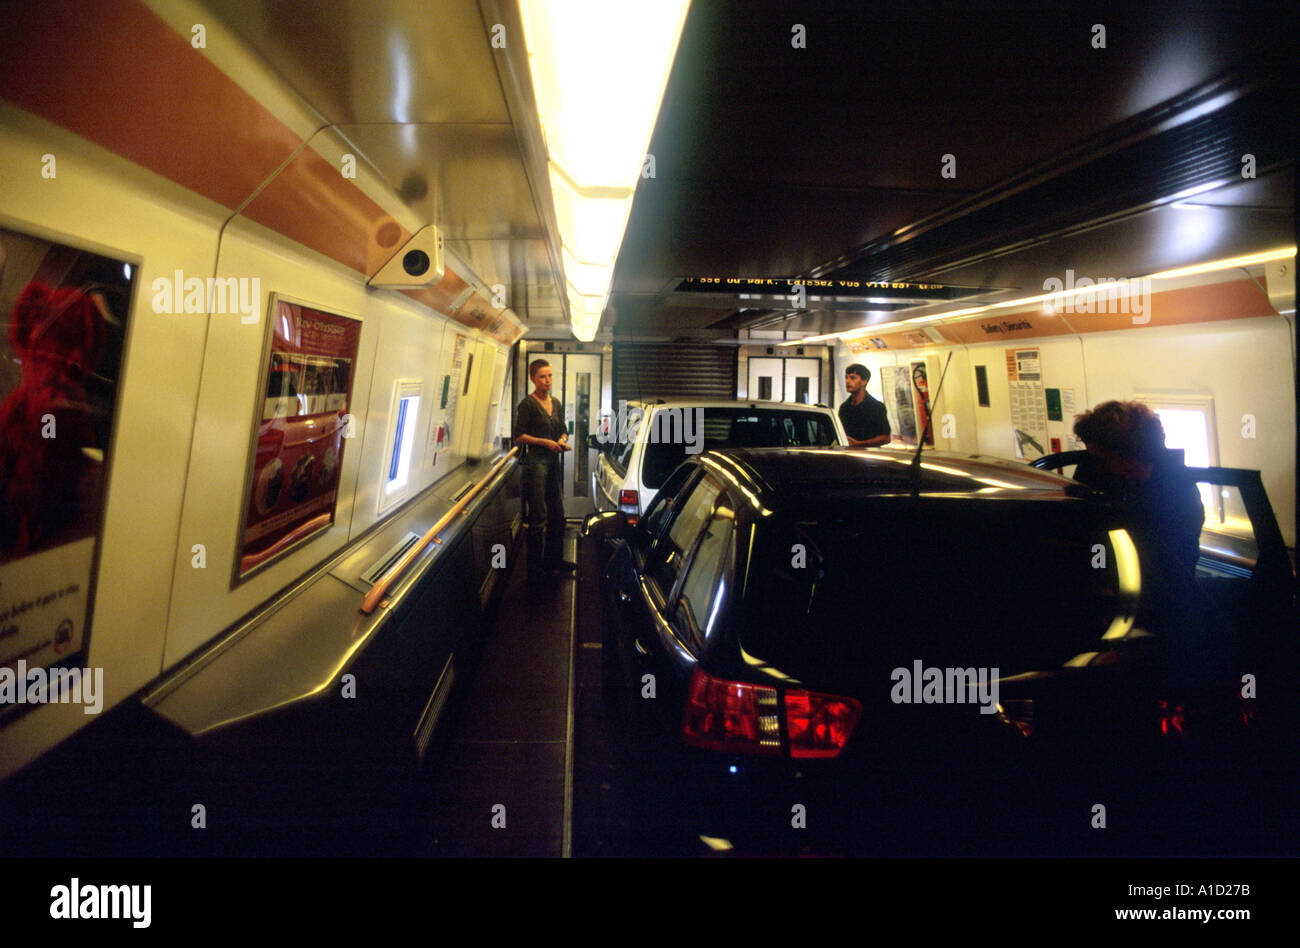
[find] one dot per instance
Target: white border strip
(566, 845)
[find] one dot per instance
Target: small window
(661, 508)
(691, 515)
(1188, 422)
(704, 585)
(406, 412)
(1228, 534)
(620, 454)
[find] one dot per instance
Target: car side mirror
(607, 525)
(594, 443)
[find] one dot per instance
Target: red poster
(64, 314)
(921, 384)
(300, 436)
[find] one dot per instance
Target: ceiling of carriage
(826, 161)
(826, 158)
(417, 88)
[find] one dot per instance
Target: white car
(647, 440)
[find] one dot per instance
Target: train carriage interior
(275, 276)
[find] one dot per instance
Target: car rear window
(1016, 585)
(731, 428)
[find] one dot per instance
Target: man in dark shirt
(865, 420)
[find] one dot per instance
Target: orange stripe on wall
(442, 294)
(993, 327)
(1236, 299)
(311, 202)
(116, 74)
(113, 72)
(1209, 302)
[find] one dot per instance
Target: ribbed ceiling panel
(1203, 151)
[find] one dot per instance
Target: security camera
(417, 263)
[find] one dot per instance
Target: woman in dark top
(540, 432)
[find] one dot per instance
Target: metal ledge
(279, 656)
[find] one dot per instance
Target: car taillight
(629, 501)
(1173, 718)
(1246, 712)
(731, 716)
(819, 725)
(743, 718)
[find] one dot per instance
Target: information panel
(1028, 402)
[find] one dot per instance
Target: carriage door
(581, 396)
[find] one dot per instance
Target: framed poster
(303, 403)
(896, 380)
(63, 319)
(921, 392)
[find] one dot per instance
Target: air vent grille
(652, 370)
(381, 565)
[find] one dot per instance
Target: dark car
(802, 647)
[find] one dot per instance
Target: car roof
(788, 477)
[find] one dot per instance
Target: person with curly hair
(1158, 502)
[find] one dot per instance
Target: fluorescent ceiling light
(591, 219)
(584, 314)
(1228, 263)
(599, 68)
(589, 279)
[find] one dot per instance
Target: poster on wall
(1028, 402)
(897, 383)
(921, 392)
(447, 396)
(64, 313)
(297, 454)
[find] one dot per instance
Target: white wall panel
(412, 343)
(233, 382)
(1246, 365)
(1063, 368)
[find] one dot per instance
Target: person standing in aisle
(542, 437)
(865, 420)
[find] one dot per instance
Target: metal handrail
(380, 588)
